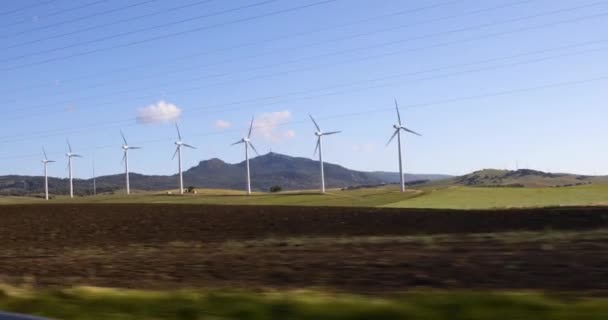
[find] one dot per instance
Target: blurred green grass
(94, 303)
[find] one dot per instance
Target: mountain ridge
(290, 173)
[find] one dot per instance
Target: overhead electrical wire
(371, 111)
(33, 5)
(131, 32)
(54, 13)
(296, 48)
(198, 54)
(82, 18)
(170, 35)
(23, 56)
(105, 25)
(209, 110)
(491, 35)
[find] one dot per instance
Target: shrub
(276, 189)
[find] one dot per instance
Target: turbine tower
(71, 155)
(398, 127)
(178, 151)
(125, 159)
(319, 147)
(46, 161)
(247, 141)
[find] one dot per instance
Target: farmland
(314, 259)
(352, 250)
(443, 197)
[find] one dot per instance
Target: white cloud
(158, 113)
(222, 125)
(266, 126)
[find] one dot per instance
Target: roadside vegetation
(86, 303)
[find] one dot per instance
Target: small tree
(191, 189)
(276, 189)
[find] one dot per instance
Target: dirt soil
(344, 249)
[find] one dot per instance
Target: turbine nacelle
(318, 133)
(396, 126)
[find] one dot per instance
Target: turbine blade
(252, 147)
(313, 121)
(124, 156)
(176, 150)
(238, 142)
(398, 115)
(51, 161)
(189, 146)
(317, 147)
(44, 151)
(392, 137)
(250, 128)
(411, 131)
(123, 137)
(135, 148)
(77, 156)
(69, 145)
(179, 134)
(330, 133)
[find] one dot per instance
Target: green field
(483, 198)
(427, 197)
(93, 303)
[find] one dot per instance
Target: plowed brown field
(353, 249)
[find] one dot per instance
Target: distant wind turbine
(125, 159)
(247, 141)
(319, 147)
(398, 127)
(46, 161)
(71, 155)
(178, 151)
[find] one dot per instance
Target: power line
(105, 25)
(491, 35)
(208, 110)
(198, 54)
(87, 17)
(170, 35)
(190, 68)
(339, 39)
(38, 4)
(378, 110)
(55, 13)
(122, 34)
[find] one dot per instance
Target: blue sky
(489, 84)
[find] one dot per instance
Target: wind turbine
(46, 161)
(398, 127)
(71, 155)
(247, 141)
(125, 159)
(178, 151)
(319, 147)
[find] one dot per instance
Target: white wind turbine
(247, 141)
(125, 159)
(71, 155)
(178, 151)
(398, 127)
(46, 161)
(319, 147)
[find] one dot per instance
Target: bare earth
(343, 249)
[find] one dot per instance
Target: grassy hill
(272, 169)
(523, 178)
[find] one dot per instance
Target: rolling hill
(268, 170)
(523, 178)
